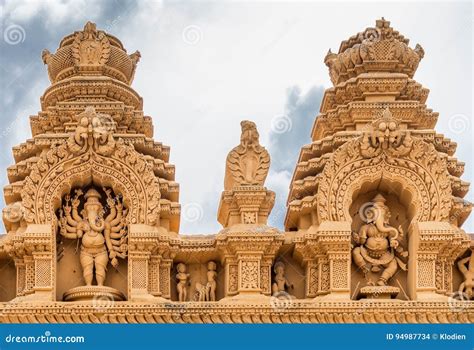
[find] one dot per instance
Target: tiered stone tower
(90, 136)
(374, 136)
(372, 229)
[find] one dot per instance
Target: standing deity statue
(101, 238)
(248, 163)
(207, 292)
(378, 244)
(182, 278)
(466, 288)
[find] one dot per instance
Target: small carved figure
(207, 292)
(101, 239)
(467, 287)
(280, 283)
(94, 130)
(182, 278)
(248, 163)
(211, 281)
(378, 244)
(13, 217)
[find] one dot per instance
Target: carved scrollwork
(90, 47)
(385, 151)
(92, 152)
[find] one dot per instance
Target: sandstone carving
(280, 283)
(375, 207)
(466, 266)
(378, 244)
(248, 163)
(182, 278)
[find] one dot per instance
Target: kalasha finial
(382, 23)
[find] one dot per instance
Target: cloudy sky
(208, 65)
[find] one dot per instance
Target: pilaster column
(138, 274)
(165, 278)
(326, 255)
(248, 257)
(40, 263)
(20, 276)
(433, 247)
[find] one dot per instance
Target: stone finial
(248, 163)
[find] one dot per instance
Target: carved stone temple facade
(372, 230)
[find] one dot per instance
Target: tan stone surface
(372, 232)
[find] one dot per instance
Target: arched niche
(400, 217)
(420, 174)
(61, 169)
(68, 267)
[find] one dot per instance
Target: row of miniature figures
(207, 291)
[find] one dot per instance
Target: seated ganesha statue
(378, 244)
(101, 238)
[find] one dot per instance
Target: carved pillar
(266, 275)
(39, 263)
(165, 278)
(142, 241)
(29, 274)
(245, 205)
(231, 276)
(154, 275)
(326, 255)
(248, 259)
(433, 247)
(20, 276)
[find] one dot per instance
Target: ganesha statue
(102, 239)
(377, 244)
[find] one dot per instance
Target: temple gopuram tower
(378, 194)
(91, 186)
(372, 231)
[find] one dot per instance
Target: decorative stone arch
(421, 170)
(125, 170)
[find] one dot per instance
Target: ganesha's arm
(108, 241)
(461, 288)
(112, 214)
(117, 218)
(70, 220)
(68, 231)
(75, 215)
(462, 265)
